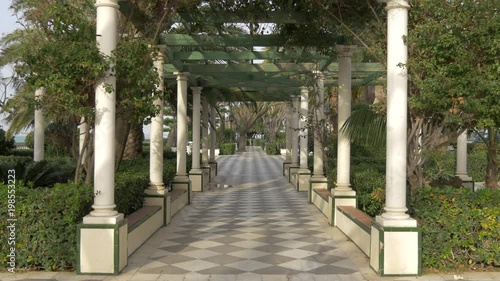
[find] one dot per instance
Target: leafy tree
(246, 114)
(6, 144)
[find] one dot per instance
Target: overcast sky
(7, 25)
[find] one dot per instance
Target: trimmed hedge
(227, 149)
(46, 225)
(460, 228)
(272, 148)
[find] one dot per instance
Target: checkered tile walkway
(251, 222)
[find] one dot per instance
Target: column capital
(295, 98)
(345, 50)
(318, 75)
(196, 90)
(107, 3)
(304, 90)
(182, 76)
(395, 4)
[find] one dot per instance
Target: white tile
(248, 254)
(293, 244)
(248, 265)
(195, 265)
(248, 244)
(289, 235)
(301, 265)
(205, 244)
(296, 253)
(200, 254)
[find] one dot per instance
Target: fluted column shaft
(318, 126)
(105, 102)
(39, 135)
(295, 131)
(213, 134)
(304, 113)
(156, 139)
(196, 127)
(182, 124)
(204, 134)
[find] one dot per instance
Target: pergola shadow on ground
(222, 67)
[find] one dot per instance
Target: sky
(7, 25)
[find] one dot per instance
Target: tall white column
(105, 100)
(318, 126)
(83, 131)
(397, 102)
(156, 139)
(204, 133)
(196, 128)
(295, 131)
(288, 135)
(182, 126)
(213, 134)
(304, 113)
(39, 135)
(344, 111)
(462, 157)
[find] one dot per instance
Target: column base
(213, 168)
(304, 176)
(159, 198)
(467, 181)
(316, 183)
(286, 165)
(292, 172)
(207, 176)
(102, 247)
(182, 182)
(396, 247)
(196, 178)
(340, 198)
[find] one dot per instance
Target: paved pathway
(250, 225)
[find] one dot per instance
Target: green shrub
(272, 148)
(46, 225)
(44, 173)
(227, 149)
(30, 140)
(6, 144)
(22, 152)
(370, 190)
(258, 142)
(460, 228)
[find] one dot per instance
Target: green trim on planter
(143, 219)
(382, 231)
(367, 229)
(116, 246)
(165, 204)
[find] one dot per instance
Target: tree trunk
(172, 136)
(242, 142)
(121, 133)
(491, 177)
(133, 147)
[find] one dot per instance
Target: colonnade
(395, 236)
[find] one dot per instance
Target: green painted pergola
(261, 66)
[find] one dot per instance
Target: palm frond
(366, 126)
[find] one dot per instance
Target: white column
(83, 131)
(318, 126)
(397, 102)
(39, 135)
(105, 100)
(182, 126)
(196, 129)
(204, 134)
(156, 139)
(295, 131)
(462, 157)
(344, 111)
(288, 135)
(213, 134)
(304, 113)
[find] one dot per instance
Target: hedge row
(47, 218)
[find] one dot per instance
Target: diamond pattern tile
(259, 225)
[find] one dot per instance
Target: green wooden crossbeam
(246, 55)
(289, 68)
(246, 17)
(240, 40)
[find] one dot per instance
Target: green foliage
(370, 190)
(272, 148)
(460, 228)
(39, 174)
(258, 142)
(21, 152)
(46, 225)
(30, 140)
(6, 144)
(227, 149)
